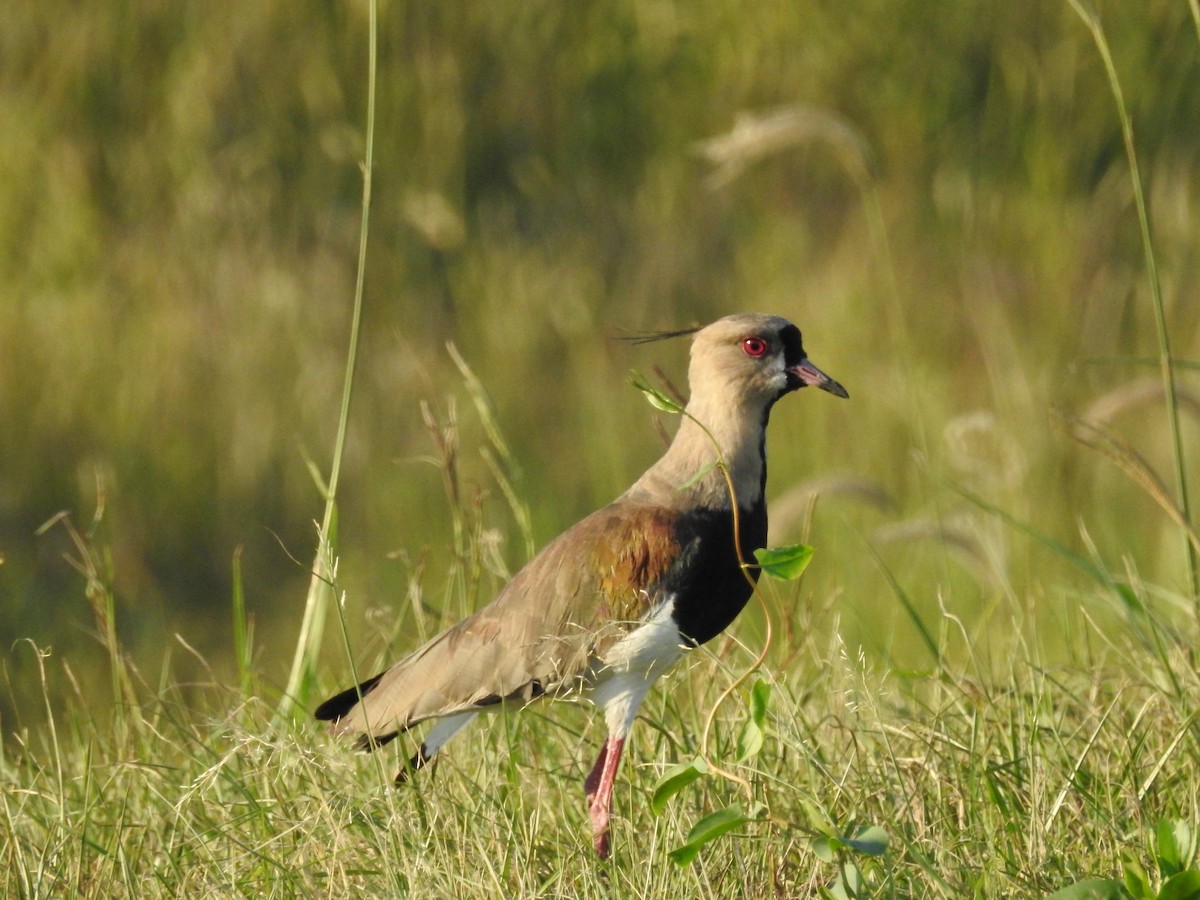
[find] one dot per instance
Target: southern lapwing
(613, 602)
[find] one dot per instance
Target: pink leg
(598, 787)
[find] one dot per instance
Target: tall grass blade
(316, 604)
(1167, 755)
(1091, 19)
(909, 608)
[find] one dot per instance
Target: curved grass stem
(1091, 19)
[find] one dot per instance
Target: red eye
(754, 346)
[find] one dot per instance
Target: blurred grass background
(937, 193)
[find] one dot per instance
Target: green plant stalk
(241, 631)
(308, 644)
(95, 562)
(1092, 21)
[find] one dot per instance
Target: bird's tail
(341, 705)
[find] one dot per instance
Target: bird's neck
(732, 436)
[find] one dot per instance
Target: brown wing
(540, 635)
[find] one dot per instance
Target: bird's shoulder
(608, 566)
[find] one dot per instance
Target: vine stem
(745, 567)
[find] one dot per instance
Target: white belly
(632, 665)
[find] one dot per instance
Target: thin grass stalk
(376, 758)
(95, 562)
(505, 469)
(1092, 20)
(1131, 463)
(241, 629)
(308, 644)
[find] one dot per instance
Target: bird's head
(752, 360)
(740, 366)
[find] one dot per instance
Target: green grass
(1001, 778)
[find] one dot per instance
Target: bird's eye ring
(754, 346)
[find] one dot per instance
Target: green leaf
(657, 398)
(872, 841)
(751, 740)
(760, 698)
(709, 829)
(675, 780)
(1137, 883)
(818, 819)
(785, 563)
(849, 883)
(1184, 886)
(1092, 889)
(1174, 839)
(825, 848)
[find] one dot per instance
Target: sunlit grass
(998, 777)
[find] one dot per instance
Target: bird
(604, 609)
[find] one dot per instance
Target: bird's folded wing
(544, 633)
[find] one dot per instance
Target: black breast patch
(708, 582)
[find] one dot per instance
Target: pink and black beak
(805, 374)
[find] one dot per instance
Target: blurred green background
(937, 193)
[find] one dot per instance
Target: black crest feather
(649, 337)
